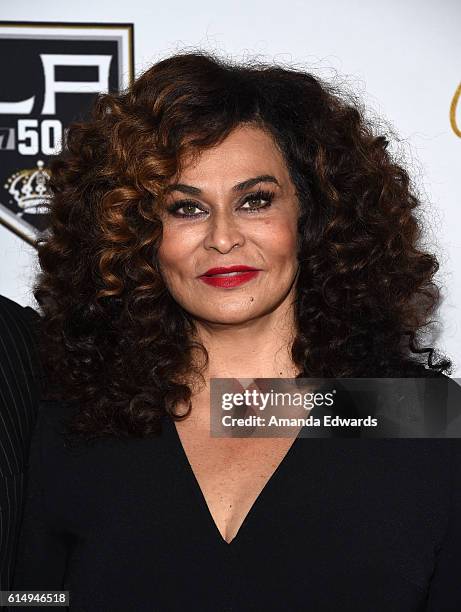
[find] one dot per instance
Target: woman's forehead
(244, 153)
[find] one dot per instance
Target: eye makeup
(258, 196)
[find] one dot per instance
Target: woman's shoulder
(433, 401)
(56, 413)
(51, 434)
(434, 378)
(59, 452)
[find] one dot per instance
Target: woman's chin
(234, 317)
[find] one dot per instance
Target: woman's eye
(188, 207)
(264, 199)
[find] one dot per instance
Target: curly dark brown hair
(115, 340)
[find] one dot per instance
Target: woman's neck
(260, 348)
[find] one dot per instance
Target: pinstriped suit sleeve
(21, 380)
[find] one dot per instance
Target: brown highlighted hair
(115, 340)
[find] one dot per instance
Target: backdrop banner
(57, 71)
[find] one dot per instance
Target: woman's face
(229, 224)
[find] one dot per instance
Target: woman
(200, 167)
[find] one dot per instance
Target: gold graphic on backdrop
(453, 107)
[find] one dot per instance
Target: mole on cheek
(252, 299)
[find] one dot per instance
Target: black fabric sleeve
(42, 550)
(445, 588)
(20, 388)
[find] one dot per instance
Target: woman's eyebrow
(264, 178)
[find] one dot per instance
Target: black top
(20, 385)
(343, 524)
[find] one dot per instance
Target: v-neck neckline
(200, 497)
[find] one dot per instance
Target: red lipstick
(231, 276)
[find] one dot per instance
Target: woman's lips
(231, 279)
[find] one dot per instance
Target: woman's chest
(230, 474)
(335, 516)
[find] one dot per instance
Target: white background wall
(402, 56)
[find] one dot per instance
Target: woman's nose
(224, 232)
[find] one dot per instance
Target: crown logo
(30, 189)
